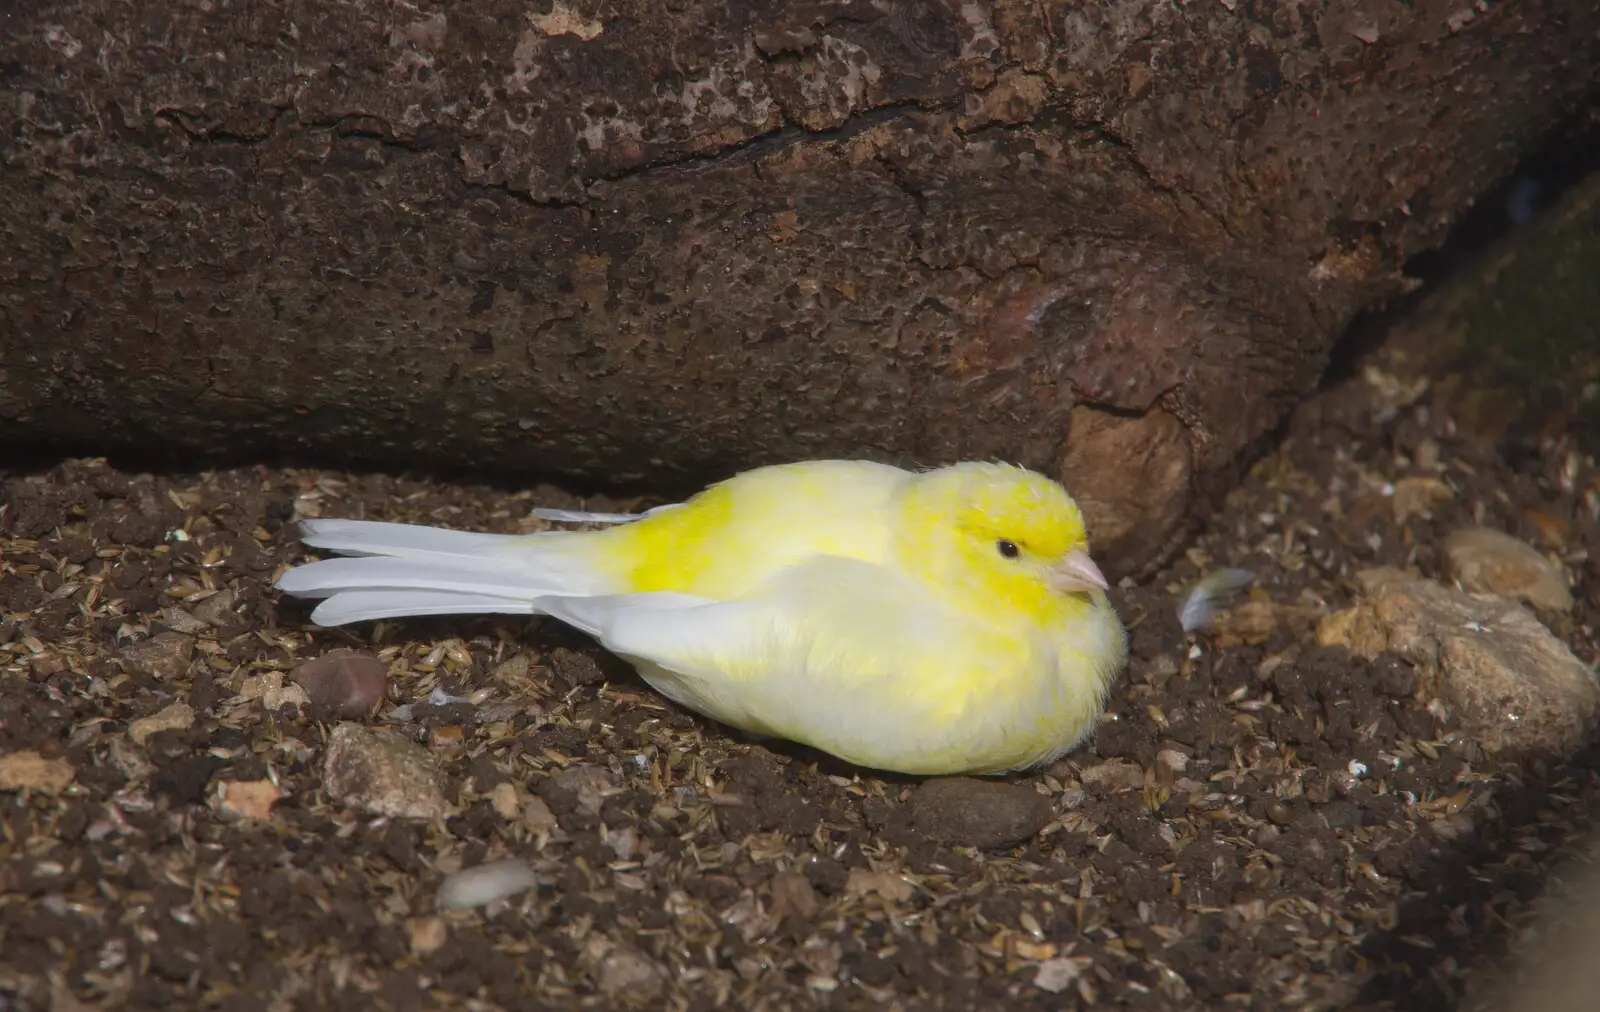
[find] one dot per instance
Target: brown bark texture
(650, 242)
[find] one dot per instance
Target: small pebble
(793, 895)
(624, 842)
(447, 736)
(503, 799)
(428, 935)
(581, 787)
(1427, 455)
(476, 887)
(1418, 496)
(164, 656)
(217, 610)
(1114, 775)
(625, 971)
(978, 813)
(278, 697)
(382, 772)
(246, 799)
(1054, 975)
(175, 717)
(1485, 560)
(178, 620)
(1169, 764)
(536, 816)
(30, 771)
(886, 884)
(348, 683)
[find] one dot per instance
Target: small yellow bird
(935, 622)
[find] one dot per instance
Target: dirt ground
(1259, 823)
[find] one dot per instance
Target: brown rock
(978, 813)
(178, 620)
(217, 610)
(279, 696)
(129, 760)
(576, 667)
(165, 655)
(1056, 975)
(1170, 764)
(793, 896)
(1553, 530)
(428, 935)
(256, 686)
(245, 799)
(382, 772)
(1488, 561)
(536, 816)
(447, 736)
(513, 671)
(885, 884)
(1114, 775)
(1510, 683)
(1130, 476)
(175, 717)
(29, 771)
(582, 787)
(503, 799)
(625, 972)
(1252, 622)
(348, 683)
(1418, 496)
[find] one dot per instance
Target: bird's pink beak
(1077, 573)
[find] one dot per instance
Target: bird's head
(1000, 539)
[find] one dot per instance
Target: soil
(1298, 833)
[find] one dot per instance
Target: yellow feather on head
(987, 538)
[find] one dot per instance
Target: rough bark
(652, 242)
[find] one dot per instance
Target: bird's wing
(697, 651)
(836, 652)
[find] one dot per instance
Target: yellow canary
(935, 622)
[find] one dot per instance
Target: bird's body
(939, 622)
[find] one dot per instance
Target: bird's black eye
(1008, 549)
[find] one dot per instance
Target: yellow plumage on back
(938, 622)
(735, 534)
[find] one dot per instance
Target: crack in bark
(739, 153)
(1171, 193)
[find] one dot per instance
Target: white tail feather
(397, 570)
(376, 537)
(386, 572)
(366, 605)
